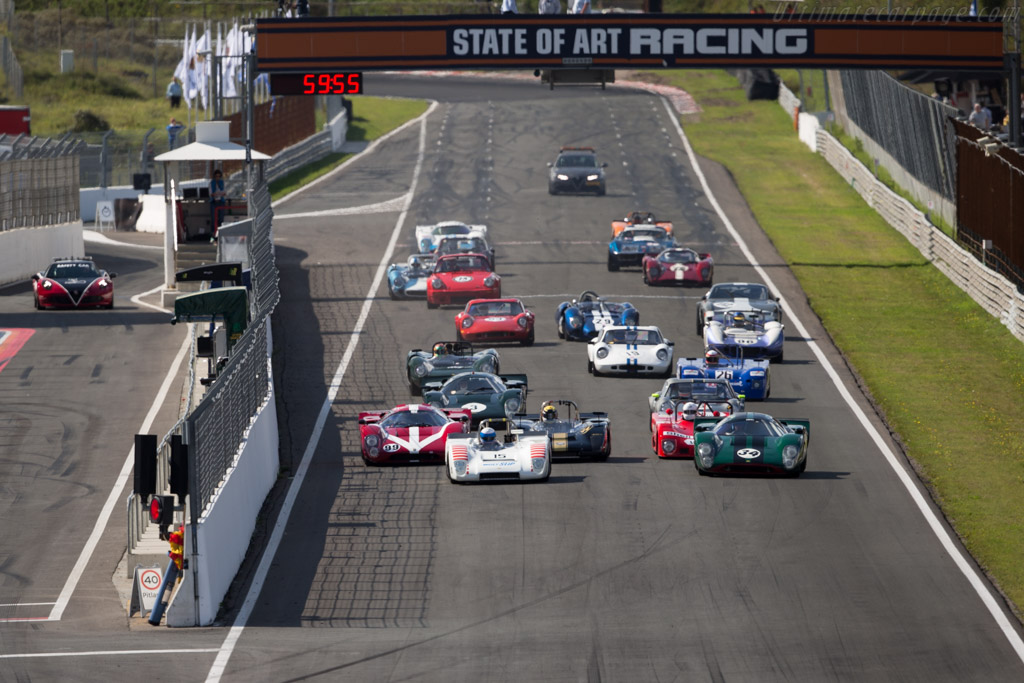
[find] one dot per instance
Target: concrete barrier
(26, 251)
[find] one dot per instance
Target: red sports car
(459, 278)
(495, 320)
(409, 433)
(672, 429)
(73, 283)
(679, 266)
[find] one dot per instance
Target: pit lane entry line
(977, 583)
(270, 551)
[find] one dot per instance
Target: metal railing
(993, 292)
(11, 67)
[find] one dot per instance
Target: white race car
(427, 236)
(630, 350)
(503, 454)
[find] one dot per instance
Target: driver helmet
(689, 411)
(739, 320)
(487, 435)
(439, 349)
(711, 357)
(549, 412)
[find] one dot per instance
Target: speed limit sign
(147, 585)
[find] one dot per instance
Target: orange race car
(639, 218)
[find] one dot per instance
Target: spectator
(549, 7)
(218, 200)
(173, 128)
(302, 8)
(174, 92)
(509, 7)
(579, 7)
(980, 118)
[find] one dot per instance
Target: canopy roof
(231, 303)
(212, 144)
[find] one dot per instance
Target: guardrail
(989, 289)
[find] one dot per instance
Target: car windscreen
(451, 230)
(749, 427)
(626, 336)
(451, 265)
(496, 308)
(477, 384)
(733, 291)
(407, 418)
(643, 234)
(576, 161)
(464, 246)
(63, 270)
(678, 256)
(699, 391)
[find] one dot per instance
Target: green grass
(371, 118)
(946, 375)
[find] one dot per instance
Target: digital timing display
(319, 83)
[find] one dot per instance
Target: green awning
(231, 304)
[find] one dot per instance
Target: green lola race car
(752, 443)
(445, 360)
(483, 394)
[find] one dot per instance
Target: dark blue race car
(631, 245)
(584, 317)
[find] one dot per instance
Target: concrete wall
(26, 251)
(225, 531)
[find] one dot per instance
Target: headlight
(575, 321)
(662, 354)
(511, 406)
(47, 284)
(437, 283)
(586, 428)
(460, 467)
(399, 281)
(602, 352)
(706, 454)
(789, 455)
(562, 176)
(372, 440)
(421, 370)
(668, 446)
(467, 322)
(522, 322)
(487, 365)
(538, 464)
(490, 280)
(103, 284)
(593, 176)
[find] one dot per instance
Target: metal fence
(988, 288)
(38, 181)
(11, 68)
(217, 427)
(905, 130)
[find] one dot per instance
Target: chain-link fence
(38, 181)
(905, 130)
(11, 68)
(216, 429)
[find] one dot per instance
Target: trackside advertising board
(626, 41)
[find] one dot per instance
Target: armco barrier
(989, 289)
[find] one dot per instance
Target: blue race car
(408, 280)
(749, 377)
(629, 247)
(583, 318)
(746, 331)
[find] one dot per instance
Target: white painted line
(97, 238)
(227, 647)
(107, 653)
(962, 563)
(26, 604)
(137, 300)
(389, 206)
(114, 498)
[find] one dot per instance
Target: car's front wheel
(561, 327)
(613, 265)
(529, 339)
(431, 305)
(607, 450)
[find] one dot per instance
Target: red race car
(459, 278)
(409, 433)
(678, 266)
(672, 429)
(495, 320)
(73, 283)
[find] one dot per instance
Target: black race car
(583, 435)
(575, 169)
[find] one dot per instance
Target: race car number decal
(744, 340)
(391, 447)
(462, 278)
(727, 374)
(748, 453)
(474, 407)
(602, 320)
(633, 354)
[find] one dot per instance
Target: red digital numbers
(332, 84)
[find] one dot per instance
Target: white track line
(115, 493)
(962, 563)
(105, 653)
(97, 238)
(227, 647)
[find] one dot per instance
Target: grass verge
(948, 377)
(371, 118)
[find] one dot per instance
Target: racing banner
(627, 41)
